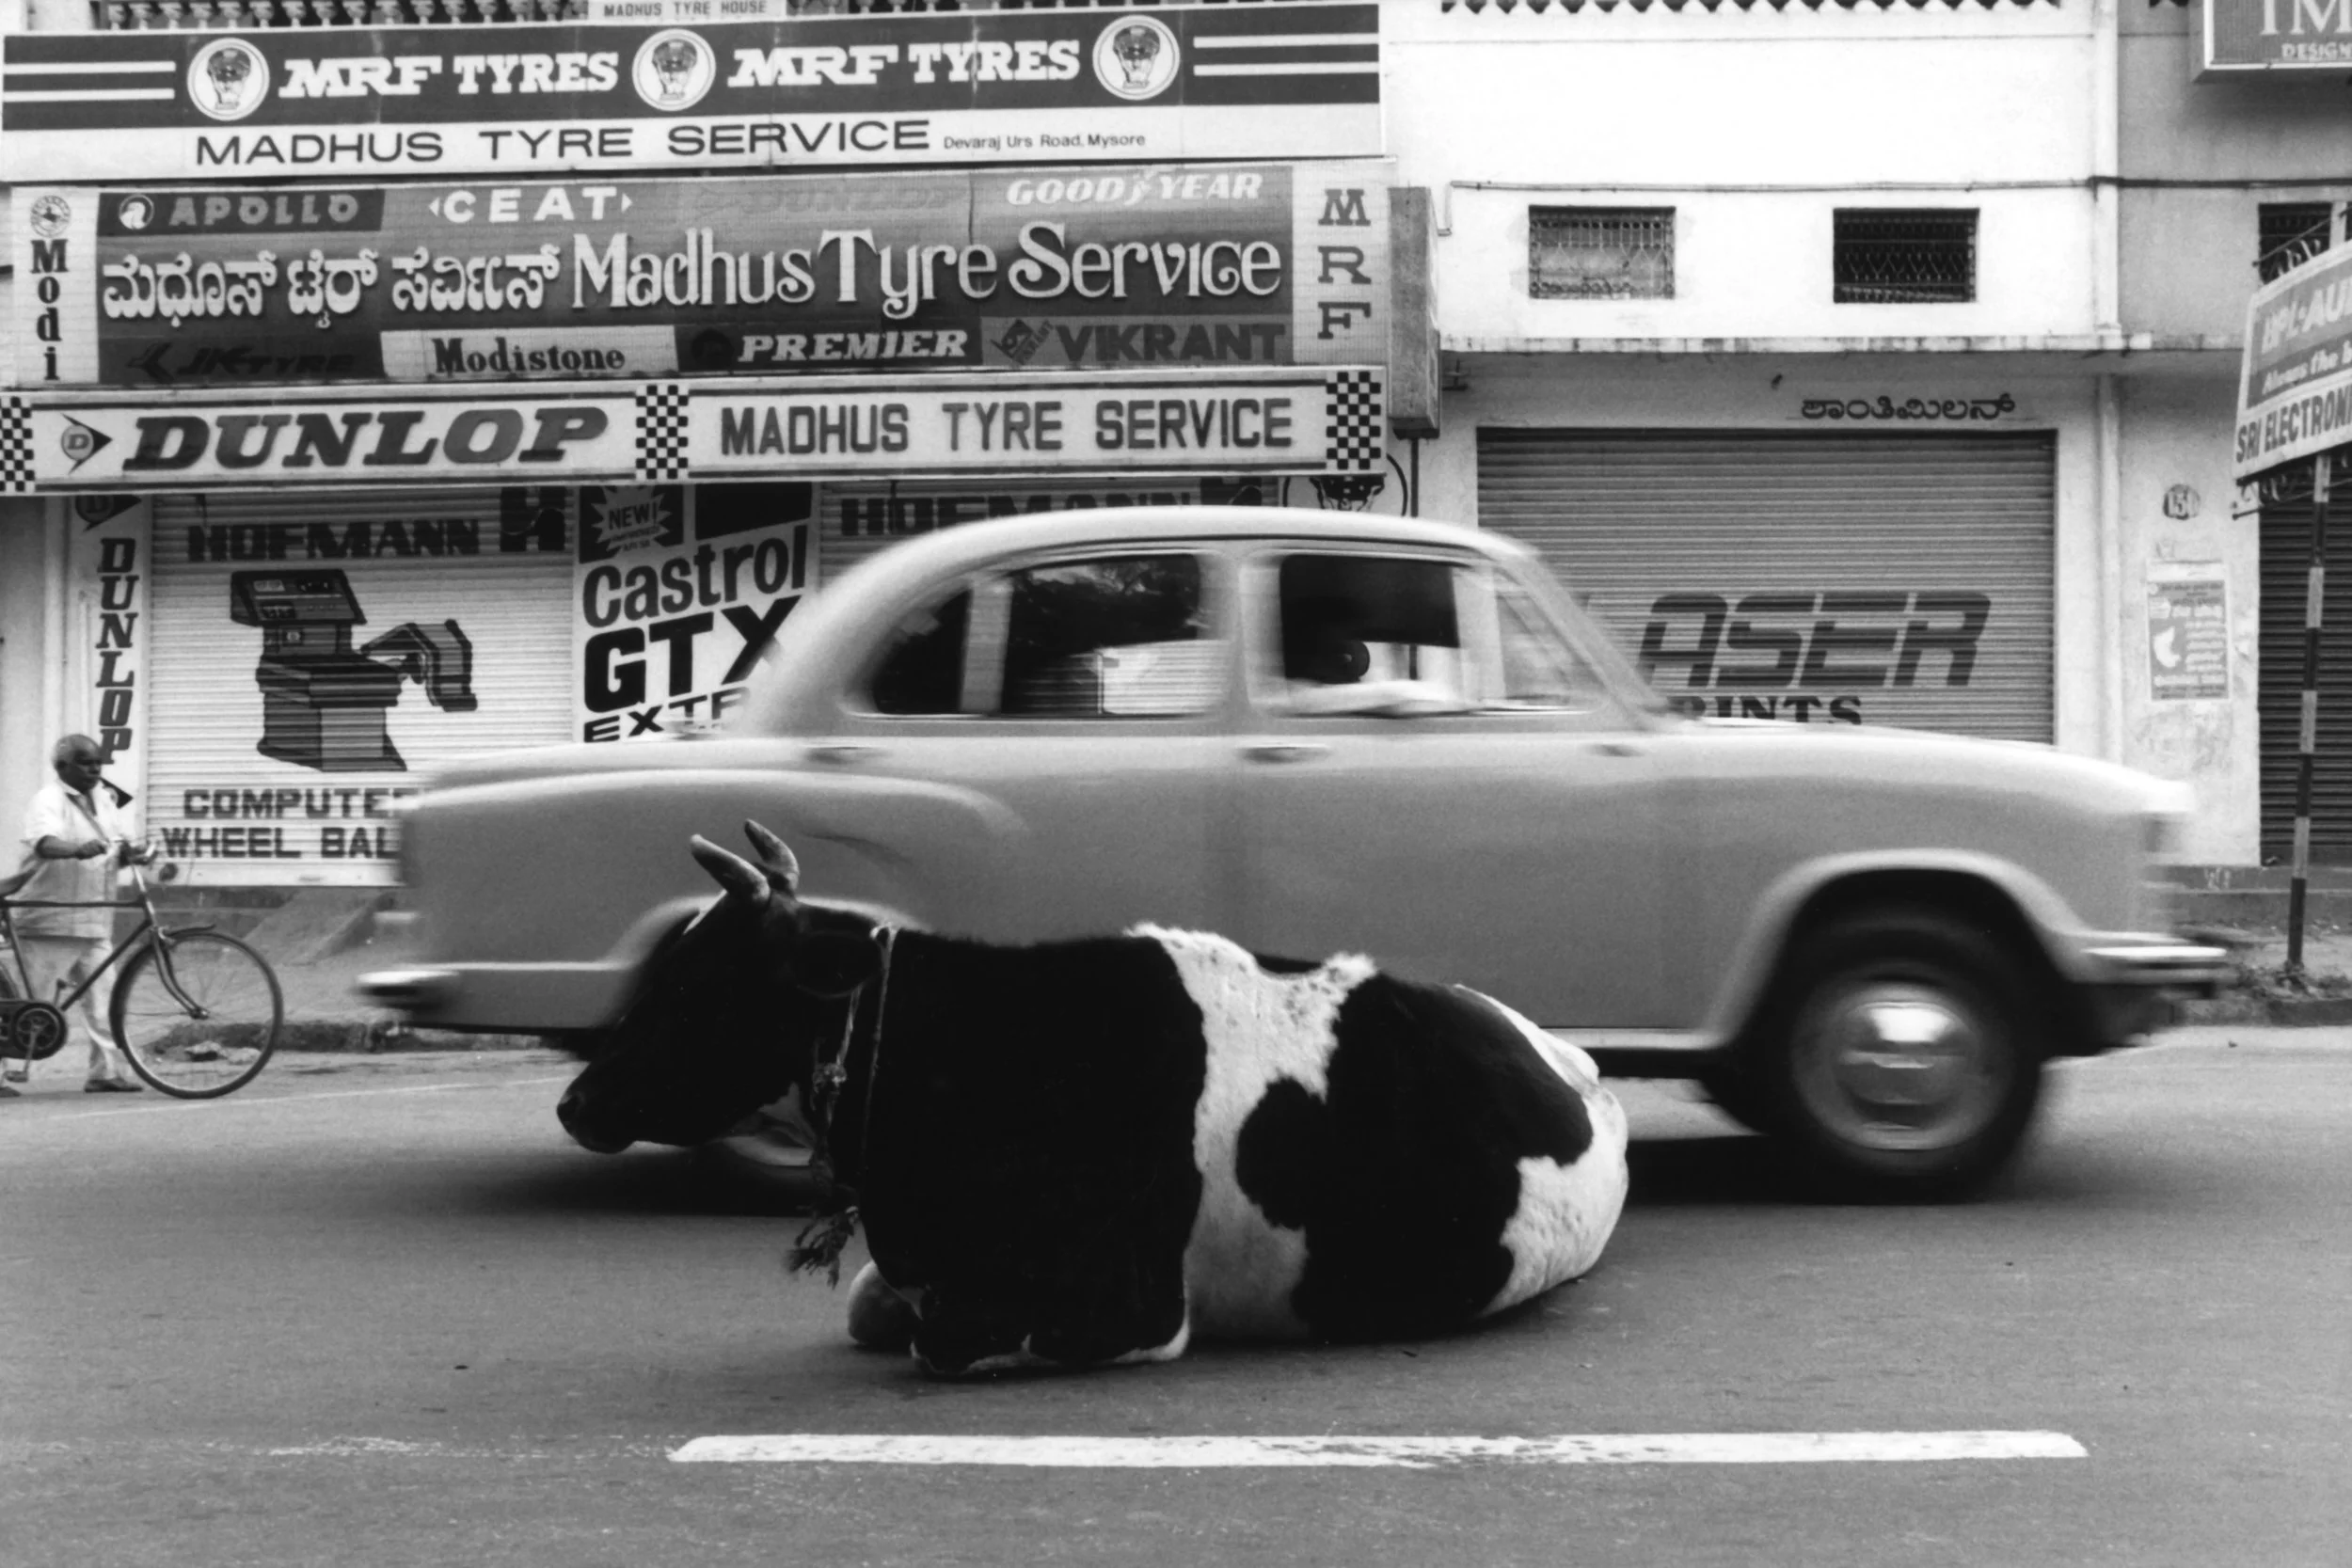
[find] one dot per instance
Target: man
(78, 837)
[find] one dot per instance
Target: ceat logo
(228, 79)
(674, 68)
(1137, 57)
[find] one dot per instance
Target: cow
(1083, 1153)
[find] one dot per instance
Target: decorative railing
(247, 15)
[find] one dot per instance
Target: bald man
(78, 837)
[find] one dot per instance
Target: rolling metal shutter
(1889, 579)
(316, 812)
(2286, 557)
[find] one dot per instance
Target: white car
(1317, 732)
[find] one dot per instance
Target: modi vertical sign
(2295, 391)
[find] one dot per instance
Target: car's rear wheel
(1903, 1058)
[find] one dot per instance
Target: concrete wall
(1753, 125)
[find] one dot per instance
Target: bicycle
(196, 1010)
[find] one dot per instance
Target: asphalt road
(378, 1311)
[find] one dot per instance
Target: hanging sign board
(1276, 80)
(2295, 393)
(2245, 38)
(1318, 420)
(1142, 267)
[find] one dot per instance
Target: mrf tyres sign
(1007, 269)
(2295, 393)
(1275, 80)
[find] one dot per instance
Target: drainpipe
(2107, 303)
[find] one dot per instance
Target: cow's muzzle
(572, 1112)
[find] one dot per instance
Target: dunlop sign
(1261, 81)
(2294, 394)
(1320, 419)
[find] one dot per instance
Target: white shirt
(56, 812)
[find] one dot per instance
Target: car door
(1432, 773)
(1082, 695)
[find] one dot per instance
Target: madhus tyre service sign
(1277, 80)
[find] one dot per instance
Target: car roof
(975, 543)
(809, 644)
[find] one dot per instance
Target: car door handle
(844, 755)
(1285, 750)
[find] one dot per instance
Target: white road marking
(166, 1105)
(1184, 1453)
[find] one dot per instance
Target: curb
(2310, 1012)
(376, 1035)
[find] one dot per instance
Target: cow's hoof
(879, 1317)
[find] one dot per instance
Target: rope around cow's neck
(821, 1241)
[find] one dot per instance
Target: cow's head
(729, 1014)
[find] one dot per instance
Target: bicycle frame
(149, 931)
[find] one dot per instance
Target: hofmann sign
(1043, 268)
(2251, 37)
(1218, 82)
(2295, 393)
(1316, 419)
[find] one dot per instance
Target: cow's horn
(776, 858)
(731, 871)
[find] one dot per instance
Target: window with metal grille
(1601, 252)
(2292, 233)
(1905, 256)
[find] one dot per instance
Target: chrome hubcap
(1897, 1065)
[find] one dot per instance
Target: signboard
(1278, 80)
(679, 593)
(2189, 638)
(1317, 420)
(2251, 37)
(2294, 394)
(1012, 269)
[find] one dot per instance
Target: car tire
(1903, 1059)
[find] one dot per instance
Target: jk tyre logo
(228, 80)
(674, 68)
(1137, 57)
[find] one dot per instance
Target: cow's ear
(775, 859)
(834, 963)
(731, 871)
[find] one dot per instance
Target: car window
(922, 671)
(1121, 636)
(1362, 633)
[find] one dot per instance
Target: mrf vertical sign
(679, 592)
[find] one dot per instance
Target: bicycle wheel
(216, 1032)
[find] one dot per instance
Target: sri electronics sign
(1276, 80)
(1043, 268)
(2249, 37)
(1316, 419)
(2294, 394)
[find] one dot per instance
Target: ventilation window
(1905, 256)
(2292, 233)
(1601, 252)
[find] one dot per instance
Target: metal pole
(2314, 592)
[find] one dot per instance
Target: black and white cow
(1083, 1153)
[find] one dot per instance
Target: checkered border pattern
(16, 446)
(661, 431)
(1351, 434)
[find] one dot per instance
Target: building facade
(1858, 363)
